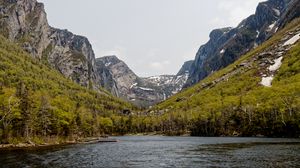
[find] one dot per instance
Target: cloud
(217, 21)
(158, 66)
(237, 10)
(117, 50)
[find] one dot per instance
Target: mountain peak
(186, 67)
(217, 33)
(227, 44)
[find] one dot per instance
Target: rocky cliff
(25, 23)
(120, 80)
(227, 44)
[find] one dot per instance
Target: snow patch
(267, 81)
(277, 64)
(133, 85)
(257, 33)
(146, 89)
(255, 45)
(272, 26)
(107, 64)
(154, 77)
(222, 51)
(292, 40)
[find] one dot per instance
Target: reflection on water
(159, 151)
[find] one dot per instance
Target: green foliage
(37, 101)
(238, 105)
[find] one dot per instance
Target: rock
(268, 61)
(185, 68)
(262, 64)
(120, 80)
(244, 64)
(70, 54)
(237, 41)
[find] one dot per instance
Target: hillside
(39, 104)
(256, 95)
(226, 45)
(25, 23)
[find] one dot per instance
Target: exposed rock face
(117, 77)
(25, 22)
(227, 44)
(292, 12)
(186, 67)
(120, 80)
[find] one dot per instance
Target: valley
(54, 89)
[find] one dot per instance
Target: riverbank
(30, 145)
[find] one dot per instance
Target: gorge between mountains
(243, 82)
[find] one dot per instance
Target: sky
(153, 37)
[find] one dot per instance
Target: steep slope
(120, 80)
(257, 95)
(24, 22)
(227, 44)
(120, 76)
(38, 102)
(186, 68)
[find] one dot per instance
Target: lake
(161, 151)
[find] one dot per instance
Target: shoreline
(111, 139)
(27, 146)
(33, 146)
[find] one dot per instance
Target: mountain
(120, 80)
(227, 44)
(186, 67)
(259, 94)
(25, 23)
(119, 77)
(38, 104)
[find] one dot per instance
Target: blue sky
(152, 36)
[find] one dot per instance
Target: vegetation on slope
(37, 103)
(238, 105)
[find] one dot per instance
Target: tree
(25, 105)
(44, 116)
(8, 112)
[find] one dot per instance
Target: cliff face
(25, 23)
(227, 44)
(120, 80)
(186, 67)
(117, 77)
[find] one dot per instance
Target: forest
(38, 105)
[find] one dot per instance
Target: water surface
(160, 151)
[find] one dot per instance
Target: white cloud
(158, 66)
(217, 21)
(190, 55)
(237, 10)
(117, 50)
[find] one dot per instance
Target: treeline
(36, 102)
(240, 105)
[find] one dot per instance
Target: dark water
(158, 151)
